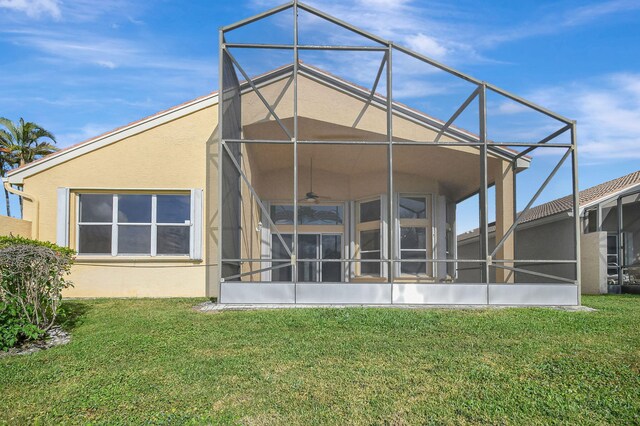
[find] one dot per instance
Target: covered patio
(333, 193)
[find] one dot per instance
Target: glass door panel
(331, 249)
(278, 252)
(308, 248)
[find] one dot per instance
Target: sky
(80, 68)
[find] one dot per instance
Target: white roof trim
(608, 197)
(17, 176)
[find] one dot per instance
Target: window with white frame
(311, 214)
(414, 220)
(368, 235)
(134, 224)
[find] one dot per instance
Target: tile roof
(565, 204)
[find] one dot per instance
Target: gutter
(35, 223)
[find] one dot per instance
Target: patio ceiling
(455, 168)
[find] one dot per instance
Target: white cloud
(451, 32)
(607, 110)
(107, 64)
(590, 13)
(78, 47)
(34, 8)
(427, 45)
(87, 131)
(557, 21)
(508, 107)
(431, 29)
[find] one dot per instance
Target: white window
(368, 237)
(414, 220)
(135, 224)
(308, 214)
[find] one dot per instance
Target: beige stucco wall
(593, 253)
(545, 239)
(168, 156)
(327, 114)
(15, 227)
(183, 154)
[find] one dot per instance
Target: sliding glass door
(316, 247)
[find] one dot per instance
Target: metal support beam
(373, 90)
(396, 142)
(391, 228)
(529, 104)
(296, 65)
(620, 248)
(259, 46)
(257, 271)
(340, 23)
(257, 92)
(533, 200)
(221, 89)
(266, 212)
(436, 64)
(455, 115)
(280, 96)
(576, 208)
(533, 145)
(545, 140)
(343, 48)
(330, 260)
(483, 199)
(257, 17)
(545, 261)
(537, 274)
(514, 212)
(305, 47)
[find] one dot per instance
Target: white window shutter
(62, 224)
(196, 224)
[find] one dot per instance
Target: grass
(159, 362)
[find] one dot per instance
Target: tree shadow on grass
(73, 314)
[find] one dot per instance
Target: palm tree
(5, 164)
(22, 143)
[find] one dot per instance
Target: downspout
(35, 223)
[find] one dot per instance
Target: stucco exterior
(170, 156)
(593, 249)
(177, 151)
(15, 227)
(545, 239)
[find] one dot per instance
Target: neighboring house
(162, 207)
(603, 243)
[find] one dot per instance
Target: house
(610, 235)
(296, 186)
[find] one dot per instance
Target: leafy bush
(32, 277)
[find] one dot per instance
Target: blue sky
(83, 67)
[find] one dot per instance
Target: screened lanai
(342, 180)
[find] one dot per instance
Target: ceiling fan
(311, 197)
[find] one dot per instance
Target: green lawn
(158, 361)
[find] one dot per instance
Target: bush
(32, 277)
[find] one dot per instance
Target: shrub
(32, 277)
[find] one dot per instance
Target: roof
(112, 136)
(586, 198)
(16, 175)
